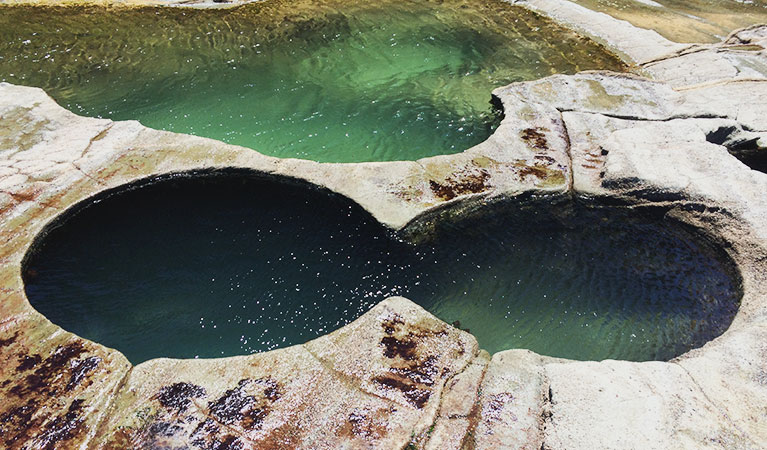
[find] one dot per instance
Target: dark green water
(228, 266)
(336, 81)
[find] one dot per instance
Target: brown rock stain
(177, 396)
(416, 396)
(545, 158)
(62, 428)
(466, 182)
(45, 380)
(425, 373)
(6, 342)
(546, 175)
(285, 437)
(413, 372)
(535, 138)
(238, 407)
(205, 435)
(79, 369)
(17, 423)
(362, 423)
(394, 347)
(493, 408)
(222, 424)
(27, 362)
(39, 384)
(408, 193)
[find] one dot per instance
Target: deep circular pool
(235, 264)
(327, 80)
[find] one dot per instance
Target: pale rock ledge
(398, 377)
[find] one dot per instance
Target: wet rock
(398, 376)
(636, 44)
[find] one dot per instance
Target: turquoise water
(322, 80)
(227, 266)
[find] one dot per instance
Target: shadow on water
(227, 265)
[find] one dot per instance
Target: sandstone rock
(650, 405)
(458, 412)
(375, 383)
(55, 387)
(397, 376)
(635, 44)
(512, 402)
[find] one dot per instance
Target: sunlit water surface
(685, 20)
(231, 266)
(339, 81)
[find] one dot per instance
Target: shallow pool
(325, 80)
(233, 265)
(685, 20)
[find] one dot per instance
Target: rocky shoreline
(398, 377)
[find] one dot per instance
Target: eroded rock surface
(398, 377)
(373, 384)
(55, 387)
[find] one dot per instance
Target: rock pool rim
(715, 389)
(490, 122)
(420, 228)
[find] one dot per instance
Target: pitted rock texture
(54, 387)
(372, 384)
(398, 377)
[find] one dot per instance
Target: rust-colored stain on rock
(38, 385)
(366, 424)
(535, 138)
(62, 428)
(246, 410)
(6, 342)
(548, 176)
(463, 183)
(413, 372)
(492, 409)
(177, 396)
(188, 414)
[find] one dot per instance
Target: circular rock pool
(327, 80)
(228, 265)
